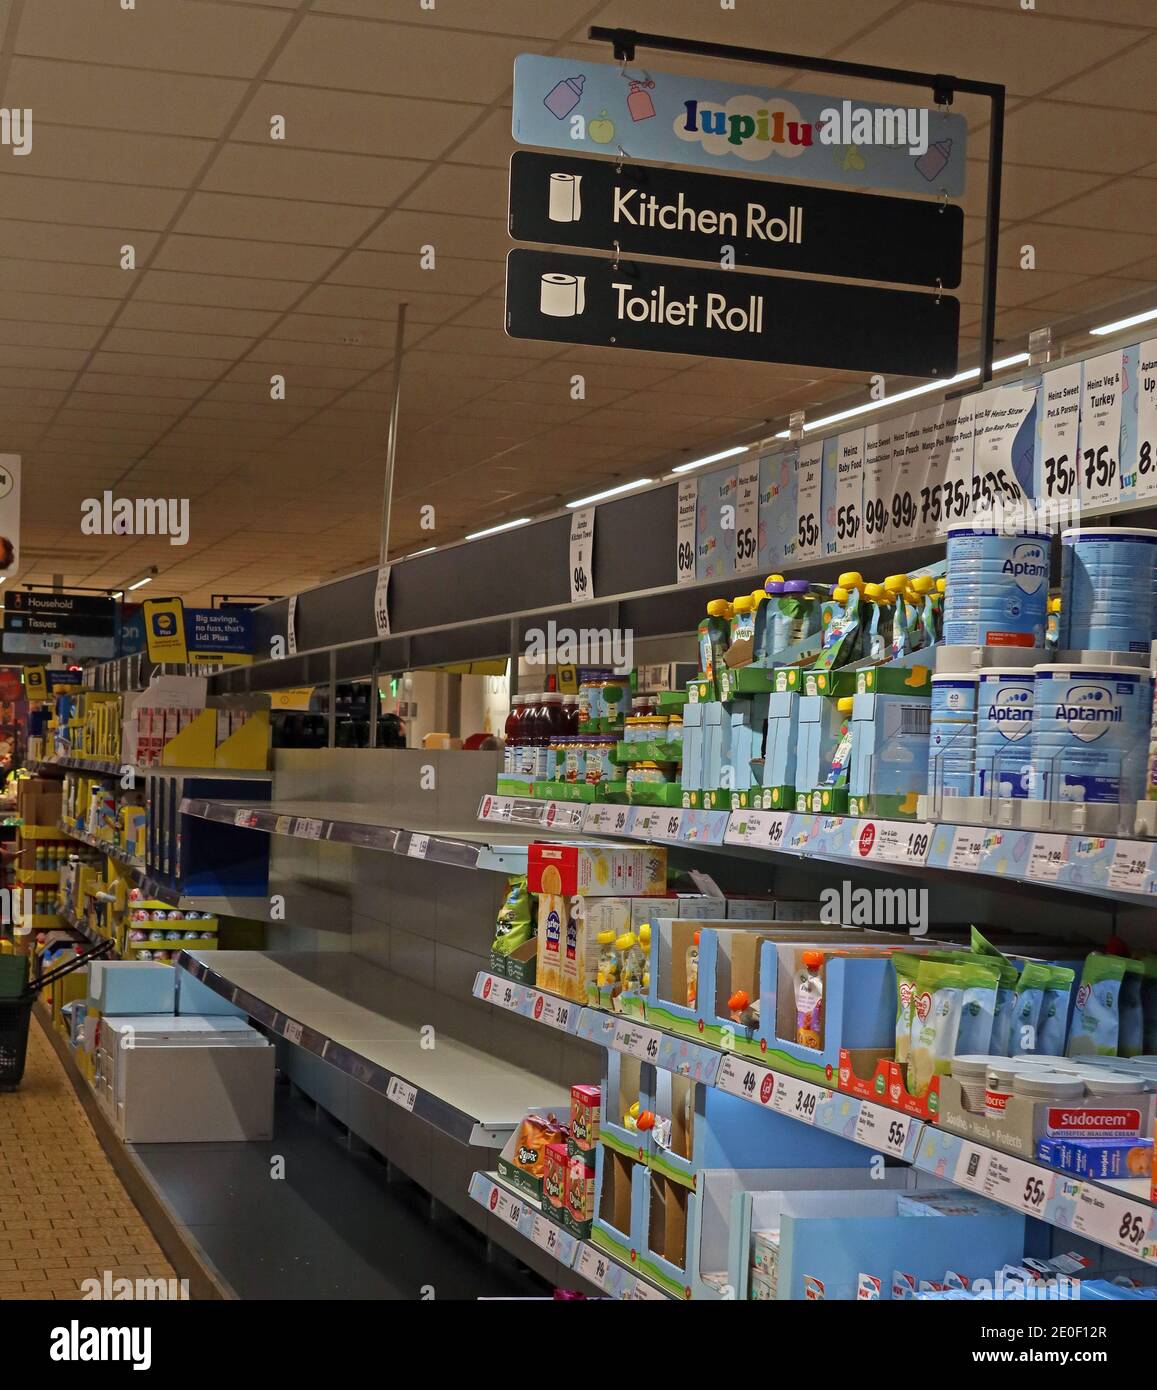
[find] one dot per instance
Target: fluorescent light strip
(140, 584)
(494, 530)
(711, 458)
(924, 390)
(611, 492)
(413, 555)
(1120, 324)
(119, 593)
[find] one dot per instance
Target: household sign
(768, 225)
(652, 307)
(596, 108)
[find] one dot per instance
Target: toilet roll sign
(651, 307)
(685, 215)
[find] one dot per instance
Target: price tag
(900, 843)
(1031, 1188)
(1146, 482)
(292, 1031)
(593, 1265)
(418, 846)
(1115, 1220)
(849, 491)
(633, 1038)
(956, 492)
(648, 819)
(798, 1099)
(748, 1080)
(908, 470)
(506, 995)
(545, 1235)
(306, 829)
(1000, 412)
(555, 1013)
(877, 487)
(291, 627)
(565, 815)
(1061, 414)
(402, 1093)
(935, 434)
(1130, 868)
(688, 508)
(1099, 466)
(747, 517)
(807, 514)
(582, 546)
(670, 825)
(967, 845)
(246, 818)
(882, 1129)
(511, 1210)
(381, 601)
(647, 1293)
(600, 818)
(1049, 856)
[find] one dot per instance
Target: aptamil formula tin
(952, 737)
(1107, 584)
(996, 589)
(1090, 732)
(1004, 701)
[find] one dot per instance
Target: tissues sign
(718, 313)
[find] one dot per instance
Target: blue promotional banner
(598, 108)
(219, 631)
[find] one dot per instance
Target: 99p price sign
(582, 546)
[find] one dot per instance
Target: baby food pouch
(1054, 1014)
(809, 999)
(1030, 989)
(514, 925)
(904, 964)
(1097, 1019)
(937, 999)
(1131, 1030)
(1000, 1045)
(978, 1009)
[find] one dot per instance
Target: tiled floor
(64, 1216)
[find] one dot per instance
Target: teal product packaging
(1096, 1026)
(1131, 1026)
(1053, 1023)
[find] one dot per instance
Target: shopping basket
(16, 1011)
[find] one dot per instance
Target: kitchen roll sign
(653, 307)
(767, 224)
(600, 108)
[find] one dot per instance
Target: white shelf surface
(364, 1020)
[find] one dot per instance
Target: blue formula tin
(996, 588)
(1004, 711)
(1090, 733)
(952, 736)
(1108, 578)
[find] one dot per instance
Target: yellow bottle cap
(625, 942)
(719, 608)
(840, 594)
(876, 592)
(606, 938)
(923, 583)
(774, 579)
(941, 584)
(759, 596)
(1054, 605)
(851, 579)
(645, 934)
(844, 704)
(896, 583)
(742, 604)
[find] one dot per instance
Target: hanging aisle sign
(596, 108)
(1099, 472)
(687, 504)
(683, 215)
(652, 307)
(582, 549)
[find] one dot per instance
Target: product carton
(580, 1194)
(890, 742)
(554, 1182)
(596, 870)
(781, 745)
(585, 1103)
(552, 913)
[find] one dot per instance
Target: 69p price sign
(687, 511)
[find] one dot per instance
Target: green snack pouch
(1000, 1045)
(1096, 1026)
(514, 925)
(904, 964)
(936, 1008)
(1054, 1015)
(978, 1007)
(1029, 999)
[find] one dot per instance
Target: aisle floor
(64, 1214)
(333, 1227)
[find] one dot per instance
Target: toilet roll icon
(562, 296)
(565, 202)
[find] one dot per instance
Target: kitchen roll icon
(562, 296)
(565, 202)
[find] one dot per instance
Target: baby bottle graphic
(934, 158)
(564, 96)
